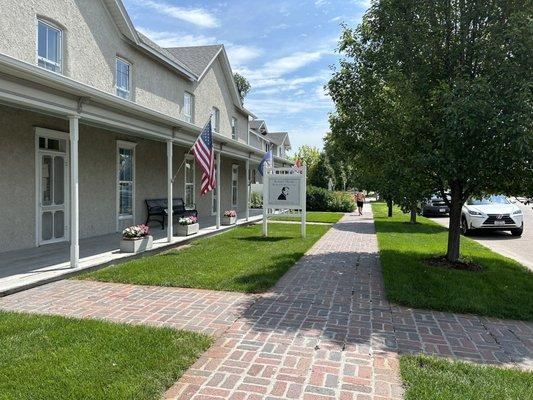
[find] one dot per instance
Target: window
(234, 128)
(189, 181)
(123, 79)
(188, 107)
(215, 119)
(234, 185)
(49, 46)
(126, 181)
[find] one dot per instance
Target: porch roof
(26, 85)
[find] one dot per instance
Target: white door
(52, 184)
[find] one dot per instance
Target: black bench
(157, 210)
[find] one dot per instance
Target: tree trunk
(389, 205)
(454, 230)
(413, 216)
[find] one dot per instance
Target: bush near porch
(239, 260)
(49, 357)
(504, 289)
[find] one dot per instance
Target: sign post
(284, 189)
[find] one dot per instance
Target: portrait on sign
(284, 191)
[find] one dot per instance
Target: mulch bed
(464, 265)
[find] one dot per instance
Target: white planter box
(136, 245)
(229, 220)
(186, 230)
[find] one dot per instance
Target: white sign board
(284, 189)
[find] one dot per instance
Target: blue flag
(267, 159)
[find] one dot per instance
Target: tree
(450, 80)
(243, 86)
(321, 172)
(309, 155)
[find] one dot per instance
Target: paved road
(518, 248)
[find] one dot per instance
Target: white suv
(492, 212)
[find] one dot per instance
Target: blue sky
(284, 47)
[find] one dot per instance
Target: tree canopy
(243, 86)
(434, 96)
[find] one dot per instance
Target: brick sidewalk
(203, 311)
(325, 331)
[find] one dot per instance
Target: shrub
(256, 200)
(342, 202)
(319, 199)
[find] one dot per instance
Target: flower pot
(229, 220)
(186, 230)
(137, 245)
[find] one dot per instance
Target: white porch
(21, 269)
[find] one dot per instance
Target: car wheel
(517, 231)
(464, 227)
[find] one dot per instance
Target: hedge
(319, 199)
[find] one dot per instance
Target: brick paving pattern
(203, 311)
(325, 331)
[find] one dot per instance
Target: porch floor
(21, 269)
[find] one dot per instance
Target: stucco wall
(91, 45)
(97, 169)
(213, 91)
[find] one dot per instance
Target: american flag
(205, 157)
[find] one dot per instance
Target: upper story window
(215, 119)
(123, 84)
(49, 46)
(234, 128)
(188, 107)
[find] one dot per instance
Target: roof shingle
(195, 58)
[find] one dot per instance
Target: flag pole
(189, 151)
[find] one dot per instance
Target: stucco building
(95, 118)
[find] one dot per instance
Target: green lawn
(504, 289)
(239, 260)
(314, 216)
(429, 378)
(45, 357)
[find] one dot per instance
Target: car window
(488, 200)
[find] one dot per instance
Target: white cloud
(363, 3)
(282, 106)
(197, 16)
(239, 55)
(177, 39)
(321, 3)
(272, 73)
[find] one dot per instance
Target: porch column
(74, 192)
(248, 189)
(170, 221)
(218, 190)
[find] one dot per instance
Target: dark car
(434, 206)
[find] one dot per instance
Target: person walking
(360, 199)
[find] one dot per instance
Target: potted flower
(230, 217)
(187, 226)
(136, 239)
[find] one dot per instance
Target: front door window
(52, 196)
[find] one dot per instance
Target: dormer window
(234, 128)
(49, 46)
(188, 107)
(215, 119)
(123, 84)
